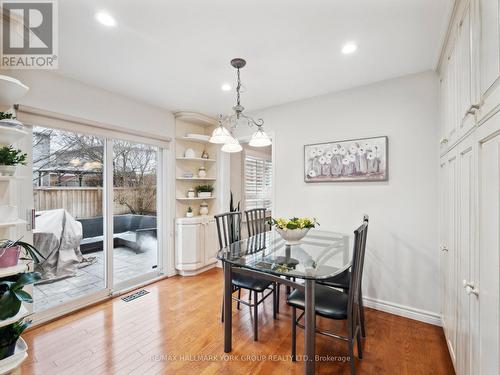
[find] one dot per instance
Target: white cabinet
(448, 250)
(487, 282)
(489, 57)
(195, 245)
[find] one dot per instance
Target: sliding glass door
(97, 214)
(135, 245)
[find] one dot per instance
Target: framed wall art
(364, 159)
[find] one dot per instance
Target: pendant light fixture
(222, 135)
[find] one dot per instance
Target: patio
(89, 279)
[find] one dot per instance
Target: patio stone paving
(127, 264)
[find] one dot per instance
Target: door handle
(472, 109)
(444, 248)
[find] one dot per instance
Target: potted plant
(204, 191)
(294, 229)
(189, 212)
(9, 158)
(11, 250)
(9, 336)
(12, 294)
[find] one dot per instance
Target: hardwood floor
(176, 329)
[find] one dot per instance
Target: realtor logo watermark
(29, 34)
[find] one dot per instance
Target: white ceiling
(175, 54)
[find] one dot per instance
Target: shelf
(196, 178)
(196, 159)
(11, 178)
(9, 271)
(10, 135)
(9, 364)
(13, 223)
(193, 199)
(11, 90)
(23, 312)
(196, 118)
(193, 140)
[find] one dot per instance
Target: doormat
(135, 295)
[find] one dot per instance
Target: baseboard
(404, 311)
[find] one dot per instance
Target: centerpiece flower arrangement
(294, 229)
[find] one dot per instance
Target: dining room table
(321, 254)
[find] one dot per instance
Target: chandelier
(223, 134)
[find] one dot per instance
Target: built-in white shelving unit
(11, 90)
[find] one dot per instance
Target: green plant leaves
(11, 156)
(12, 294)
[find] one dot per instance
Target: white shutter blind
(258, 180)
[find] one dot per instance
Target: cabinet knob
(469, 288)
(444, 248)
(472, 109)
(443, 141)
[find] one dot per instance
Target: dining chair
(334, 304)
(343, 279)
(256, 221)
(229, 231)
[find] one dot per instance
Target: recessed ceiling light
(349, 47)
(105, 18)
(226, 87)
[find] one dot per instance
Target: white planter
(7, 170)
(292, 236)
(189, 214)
(204, 194)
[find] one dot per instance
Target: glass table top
(319, 255)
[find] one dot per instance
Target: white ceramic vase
(292, 236)
(7, 170)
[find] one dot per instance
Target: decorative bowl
(292, 236)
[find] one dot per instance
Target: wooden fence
(80, 202)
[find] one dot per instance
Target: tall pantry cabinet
(469, 171)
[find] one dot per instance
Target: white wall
(58, 94)
(402, 260)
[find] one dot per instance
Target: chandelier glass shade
(223, 133)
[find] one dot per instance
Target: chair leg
(222, 312)
(362, 315)
(255, 317)
(294, 334)
(278, 287)
(360, 350)
(239, 297)
(275, 300)
(351, 355)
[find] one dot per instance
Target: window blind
(258, 182)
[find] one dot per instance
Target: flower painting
(352, 160)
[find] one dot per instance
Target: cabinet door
(189, 248)
(448, 257)
(489, 55)
(465, 107)
(489, 249)
(211, 243)
(466, 255)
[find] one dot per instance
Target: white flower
(345, 161)
(352, 157)
(342, 150)
(370, 156)
(366, 146)
(361, 151)
(336, 151)
(353, 149)
(328, 160)
(314, 152)
(329, 154)
(311, 173)
(322, 160)
(320, 151)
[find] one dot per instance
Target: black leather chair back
(256, 221)
(228, 228)
(356, 272)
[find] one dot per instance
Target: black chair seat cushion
(330, 303)
(338, 281)
(251, 283)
